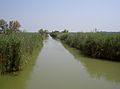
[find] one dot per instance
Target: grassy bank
(16, 49)
(97, 45)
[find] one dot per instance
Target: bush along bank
(97, 45)
(16, 49)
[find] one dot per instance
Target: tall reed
(98, 45)
(16, 48)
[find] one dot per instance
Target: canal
(61, 67)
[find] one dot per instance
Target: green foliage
(65, 31)
(16, 48)
(98, 45)
(62, 36)
(54, 34)
(43, 32)
(3, 25)
(13, 26)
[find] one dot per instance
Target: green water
(61, 67)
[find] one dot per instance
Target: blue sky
(74, 15)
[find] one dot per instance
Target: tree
(14, 26)
(41, 31)
(65, 31)
(46, 31)
(3, 25)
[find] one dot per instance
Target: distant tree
(45, 31)
(14, 26)
(65, 31)
(3, 25)
(41, 31)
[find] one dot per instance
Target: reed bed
(95, 44)
(16, 49)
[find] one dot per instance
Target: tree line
(11, 26)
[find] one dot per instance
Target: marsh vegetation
(16, 47)
(102, 45)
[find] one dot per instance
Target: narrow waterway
(61, 67)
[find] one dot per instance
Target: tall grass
(97, 45)
(16, 48)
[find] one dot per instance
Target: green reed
(16, 48)
(97, 45)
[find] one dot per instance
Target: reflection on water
(98, 68)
